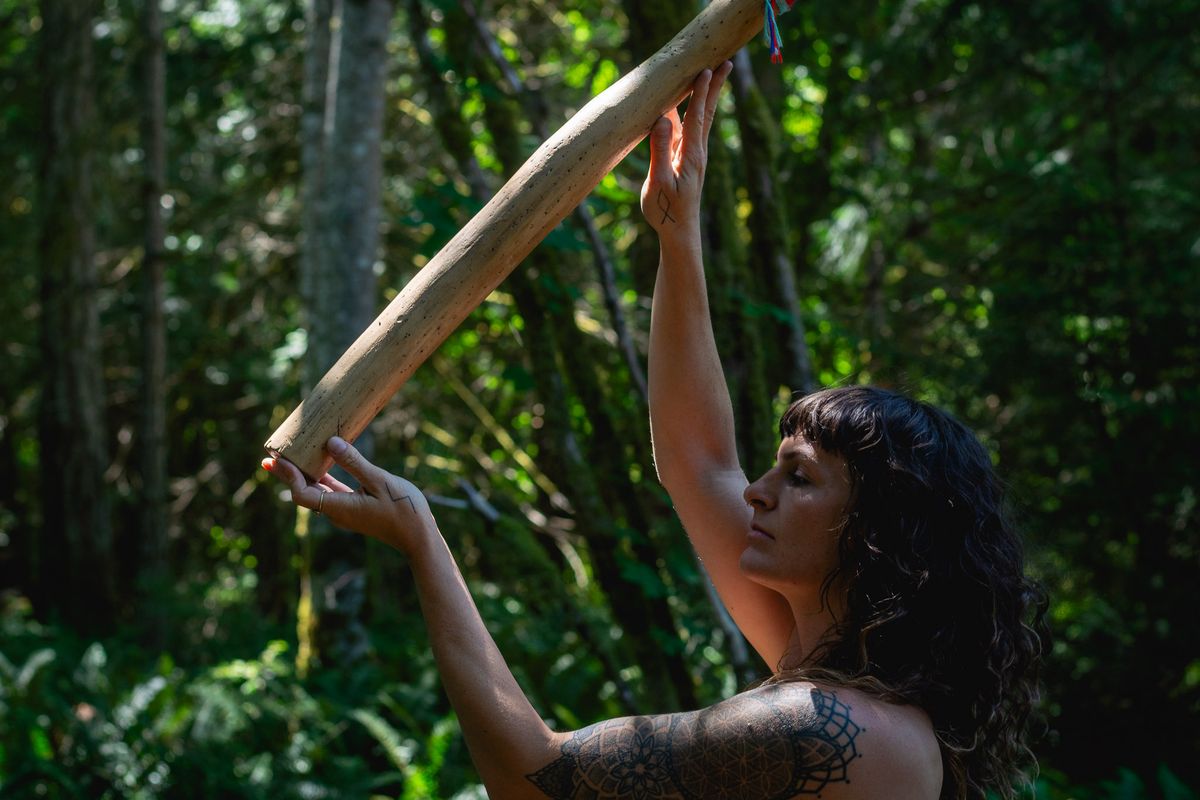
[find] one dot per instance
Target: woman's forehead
(799, 448)
(796, 446)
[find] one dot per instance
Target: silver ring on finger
(321, 503)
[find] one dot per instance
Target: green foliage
(1127, 785)
(80, 725)
(991, 205)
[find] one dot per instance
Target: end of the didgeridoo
(273, 453)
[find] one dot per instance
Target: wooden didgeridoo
(548, 187)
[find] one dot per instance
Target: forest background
(991, 205)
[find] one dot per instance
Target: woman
(872, 565)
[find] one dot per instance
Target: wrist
(680, 239)
(423, 541)
(686, 228)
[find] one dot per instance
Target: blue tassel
(771, 31)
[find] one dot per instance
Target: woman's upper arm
(773, 742)
(712, 509)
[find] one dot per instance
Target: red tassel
(771, 33)
(771, 29)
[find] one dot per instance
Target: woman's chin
(756, 566)
(764, 569)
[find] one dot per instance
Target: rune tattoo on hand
(402, 497)
(664, 205)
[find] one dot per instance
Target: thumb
(346, 456)
(660, 146)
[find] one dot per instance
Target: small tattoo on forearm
(664, 204)
(395, 499)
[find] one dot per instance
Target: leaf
(1172, 787)
(91, 673)
(398, 750)
(646, 578)
(40, 743)
(1128, 786)
(140, 698)
(32, 666)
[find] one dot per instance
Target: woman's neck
(814, 623)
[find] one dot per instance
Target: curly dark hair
(938, 612)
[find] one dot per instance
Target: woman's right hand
(678, 157)
(385, 506)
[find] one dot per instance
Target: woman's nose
(757, 494)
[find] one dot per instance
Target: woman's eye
(798, 479)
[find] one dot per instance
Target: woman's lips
(757, 531)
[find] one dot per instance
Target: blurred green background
(990, 205)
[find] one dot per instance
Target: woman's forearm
(504, 733)
(691, 417)
(506, 737)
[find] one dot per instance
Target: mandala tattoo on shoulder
(756, 746)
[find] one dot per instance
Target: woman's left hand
(679, 157)
(386, 506)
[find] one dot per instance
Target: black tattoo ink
(395, 499)
(753, 747)
(664, 204)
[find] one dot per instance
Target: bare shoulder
(775, 742)
(888, 750)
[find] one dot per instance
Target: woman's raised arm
(691, 417)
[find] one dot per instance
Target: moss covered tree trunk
(770, 244)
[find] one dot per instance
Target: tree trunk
(733, 285)
(317, 16)
(649, 26)
(76, 552)
(343, 175)
(769, 228)
(153, 450)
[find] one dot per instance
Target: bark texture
(153, 419)
(76, 550)
(342, 123)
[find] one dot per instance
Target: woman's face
(799, 507)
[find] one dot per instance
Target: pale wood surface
(554, 180)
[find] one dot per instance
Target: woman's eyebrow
(795, 456)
